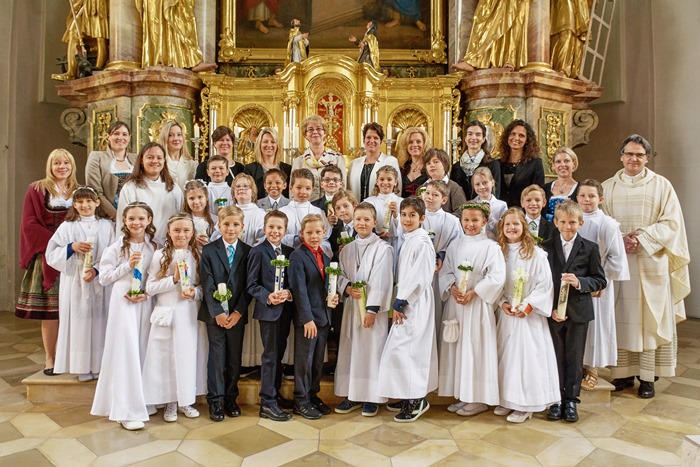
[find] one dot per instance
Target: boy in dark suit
(331, 183)
(224, 261)
(274, 312)
(275, 182)
(307, 276)
(532, 201)
(575, 261)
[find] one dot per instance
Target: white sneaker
(132, 426)
(519, 417)
(151, 409)
(170, 414)
(456, 406)
(85, 377)
(472, 408)
(501, 411)
(188, 411)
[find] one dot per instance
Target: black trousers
(569, 345)
(224, 363)
(274, 339)
(308, 363)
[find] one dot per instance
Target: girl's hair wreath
(483, 207)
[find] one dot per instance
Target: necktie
(278, 251)
(533, 226)
(274, 206)
(230, 255)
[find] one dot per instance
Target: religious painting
(408, 31)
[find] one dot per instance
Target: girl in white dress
(386, 200)
(197, 205)
(152, 184)
(367, 282)
(170, 369)
(75, 250)
(119, 393)
(483, 185)
(527, 365)
(469, 366)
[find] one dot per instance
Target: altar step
(67, 388)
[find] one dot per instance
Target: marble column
(460, 14)
(125, 36)
(538, 27)
(205, 13)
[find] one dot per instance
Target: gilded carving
(330, 97)
(228, 51)
(552, 134)
(251, 118)
(204, 110)
(101, 119)
(456, 98)
(496, 119)
(103, 122)
(436, 54)
(152, 117)
(408, 116)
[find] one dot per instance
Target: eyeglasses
(638, 155)
(330, 180)
(315, 130)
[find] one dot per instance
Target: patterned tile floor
(631, 431)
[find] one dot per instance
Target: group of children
(419, 299)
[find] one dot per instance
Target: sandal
(589, 381)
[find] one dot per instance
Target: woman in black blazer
(268, 155)
(223, 139)
(521, 165)
(476, 154)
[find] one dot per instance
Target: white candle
(296, 136)
(455, 132)
(137, 276)
(237, 131)
(464, 279)
(287, 139)
(279, 275)
(277, 130)
(387, 216)
(344, 234)
(196, 130)
(221, 288)
(332, 286)
(87, 262)
(563, 299)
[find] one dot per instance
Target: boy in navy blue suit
(575, 261)
(532, 201)
(307, 276)
(274, 312)
(225, 261)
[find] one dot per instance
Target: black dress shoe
(623, 383)
(323, 408)
(308, 411)
(283, 403)
(646, 390)
(216, 411)
(274, 413)
(49, 372)
(570, 412)
(554, 412)
(231, 409)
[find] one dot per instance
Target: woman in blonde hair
(268, 155)
(45, 206)
(180, 163)
(410, 148)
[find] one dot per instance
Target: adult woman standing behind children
(521, 165)
(45, 206)
(179, 161)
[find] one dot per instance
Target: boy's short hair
(332, 169)
(304, 174)
(439, 186)
(413, 202)
(274, 214)
(441, 155)
(234, 211)
(593, 183)
(568, 208)
(216, 158)
(275, 171)
(530, 189)
(344, 194)
(311, 218)
(251, 182)
(367, 207)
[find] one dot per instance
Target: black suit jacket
(309, 288)
(256, 170)
(213, 270)
(526, 174)
(201, 173)
(546, 230)
(459, 176)
(584, 263)
(261, 281)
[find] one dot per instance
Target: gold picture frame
(233, 48)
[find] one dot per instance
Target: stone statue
(298, 44)
(568, 33)
(170, 35)
(88, 18)
(499, 36)
(369, 46)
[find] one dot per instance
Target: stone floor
(630, 431)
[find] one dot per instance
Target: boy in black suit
(532, 201)
(275, 183)
(273, 310)
(224, 261)
(307, 276)
(575, 261)
(331, 182)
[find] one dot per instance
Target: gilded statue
(170, 35)
(369, 46)
(568, 33)
(87, 18)
(499, 36)
(298, 44)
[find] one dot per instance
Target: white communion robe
(469, 367)
(381, 205)
(601, 340)
(371, 260)
(119, 392)
(408, 366)
(527, 366)
(82, 306)
(164, 203)
(170, 369)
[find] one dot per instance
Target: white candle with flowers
(465, 267)
(223, 295)
(137, 280)
(279, 263)
(87, 261)
(333, 272)
(387, 216)
(361, 285)
(185, 280)
(519, 276)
